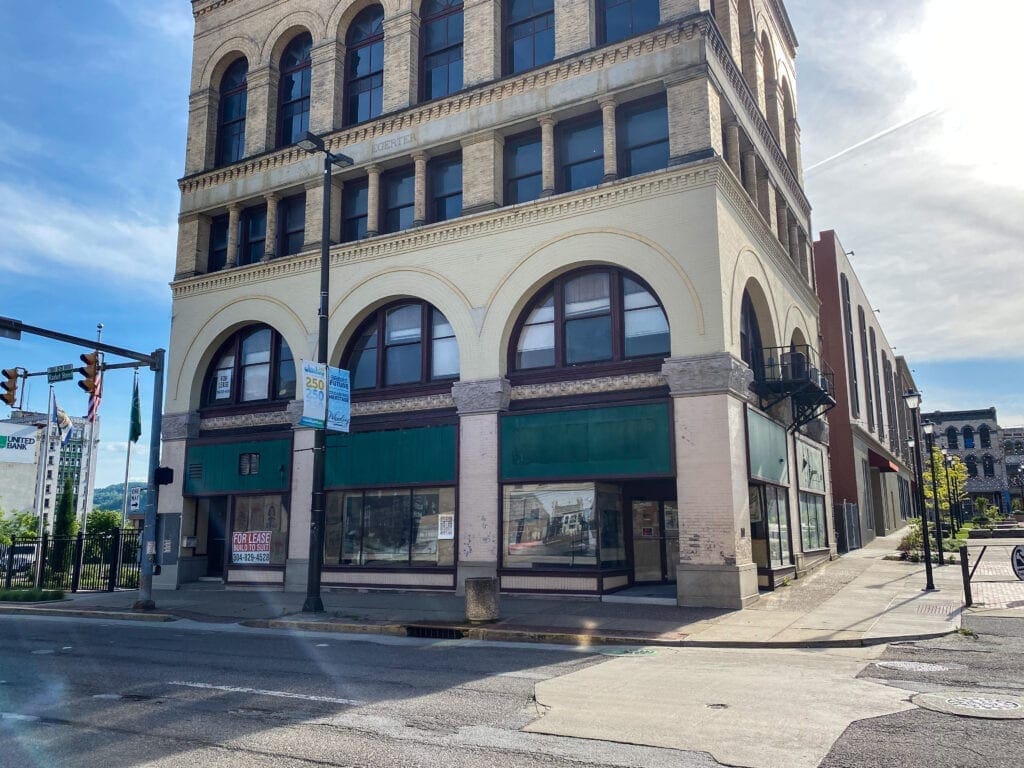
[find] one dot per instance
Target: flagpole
(44, 462)
(128, 459)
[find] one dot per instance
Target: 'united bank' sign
(17, 443)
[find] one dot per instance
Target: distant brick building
(975, 436)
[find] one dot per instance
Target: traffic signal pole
(12, 329)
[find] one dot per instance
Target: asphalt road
(79, 692)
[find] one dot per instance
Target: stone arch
(592, 247)
(346, 10)
(759, 297)
(788, 129)
(796, 323)
(749, 267)
(748, 44)
(380, 288)
(287, 30)
(771, 84)
(226, 55)
(197, 356)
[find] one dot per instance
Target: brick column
(716, 567)
(794, 243)
(419, 215)
(766, 196)
(296, 571)
(750, 175)
(270, 244)
(481, 57)
(482, 162)
(694, 117)
(793, 148)
(314, 211)
(547, 137)
(202, 130)
(574, 27)
(261, 110)
(372, 200)
(401, 56)
(327, 85)
(782, 221)
(234, 211)
(479, 404)
(732, 147)
(611, 157)
(187, 262)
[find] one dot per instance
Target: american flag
(94, 398)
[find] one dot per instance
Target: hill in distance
(112, 496)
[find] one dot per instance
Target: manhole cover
(629, 652)
(987, 705)
(915, 666)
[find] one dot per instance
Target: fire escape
(796, 373)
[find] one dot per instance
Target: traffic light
(9, 385)
(89, 371)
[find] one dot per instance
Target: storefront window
(259, 531)
(769, 523)
(812, 521)
(557, 526)
(391, 528)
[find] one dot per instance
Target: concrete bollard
(481, 599)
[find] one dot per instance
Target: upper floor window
(252, 241)
(254, 365)
(877, 383)
(619, 19)
(642, 128)
(989, 465)
(403, 345)
(354, 205)
(968, 433)
(751, 346)
(985, 436)
(972, 465)
(851, 352)
(398, 199)
(441, 31)
(580, 148)
(364, 76)
(952, 438)
(444, 184)
(293, 109)
(218, 254)
(591, 316)
(529, 34)
(291, 216)
(524, 172)
(231, 114)
(864, 352)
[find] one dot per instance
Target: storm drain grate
(433, 633)
(983, 704)
(938, 609)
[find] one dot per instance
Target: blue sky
(92, 133)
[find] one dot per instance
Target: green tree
(64, 523)
(22, 525)
(103, 521)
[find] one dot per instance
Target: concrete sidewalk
(860, 599)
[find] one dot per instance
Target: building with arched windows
(570, 277)
(976, 437)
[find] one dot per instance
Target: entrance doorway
(655, 541)
(216, 536)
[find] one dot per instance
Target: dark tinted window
(581, 153)
(523, 168)
(619, 19)
(231, 116)
(441, 47)
(529, 34)
(252, 241)
(642, 136)
(751, 346)
(398, 199)
(365, 66)
(218, 255)
(254, 365)
(444, 176)
(293, 113)
(291, 214)
(355, 195)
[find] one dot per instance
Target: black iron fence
(94, 562)
(993, 574)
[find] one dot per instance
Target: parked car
(24, 558)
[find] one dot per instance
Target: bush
(30, 595)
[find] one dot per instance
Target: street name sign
(57, 373)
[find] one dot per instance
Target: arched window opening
(529, 34)
(231, 114)
(751, 345)
(441, 34)
(591, 316)
(619, 19)
(989, 465)
(985, 436)
(293, 100)
(364, 75)
(407, 344)
(255, 365)
(968, 433)
(972, 465)
(952, 438)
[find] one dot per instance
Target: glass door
(216, 536)
(655, 540)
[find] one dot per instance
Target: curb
(82, 614)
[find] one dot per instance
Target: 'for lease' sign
(250, 547)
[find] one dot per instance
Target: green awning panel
(769, 449)
(400, 456)
(250, 466)
(594, 443)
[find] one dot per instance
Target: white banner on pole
(339, 401)
(314, 394)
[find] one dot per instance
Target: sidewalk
(860, 599)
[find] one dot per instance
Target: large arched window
(989, 465)
(231, 114)
(968, 433)
(403, 345)
(619, 19)
(255, 365)
(529, 34)
(364, 74)
(985, 436)
(590, 316)
(751, 346)
(293, 102)
(952, 438)
(440, 48)
(972, 465)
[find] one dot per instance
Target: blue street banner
(314, 394)
(339, 400)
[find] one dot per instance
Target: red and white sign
(249, 547)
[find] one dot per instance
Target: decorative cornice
(202, 10)
(401, 405)
(490, 93)
(588, 386)
(273, 418)
(568, 205)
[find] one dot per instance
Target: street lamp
(317, 514)
(946, 464)
(928, 428)
(913, 401)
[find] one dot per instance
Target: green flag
(135, 430)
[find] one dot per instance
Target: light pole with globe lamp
(929, 429)
(913, 400)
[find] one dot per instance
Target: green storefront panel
(595, 442)
(219, 468)
(768, 447)
(394, 457)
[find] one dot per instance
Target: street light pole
(317, 513)
(949, 491)
(928, 428)
(913, 401)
